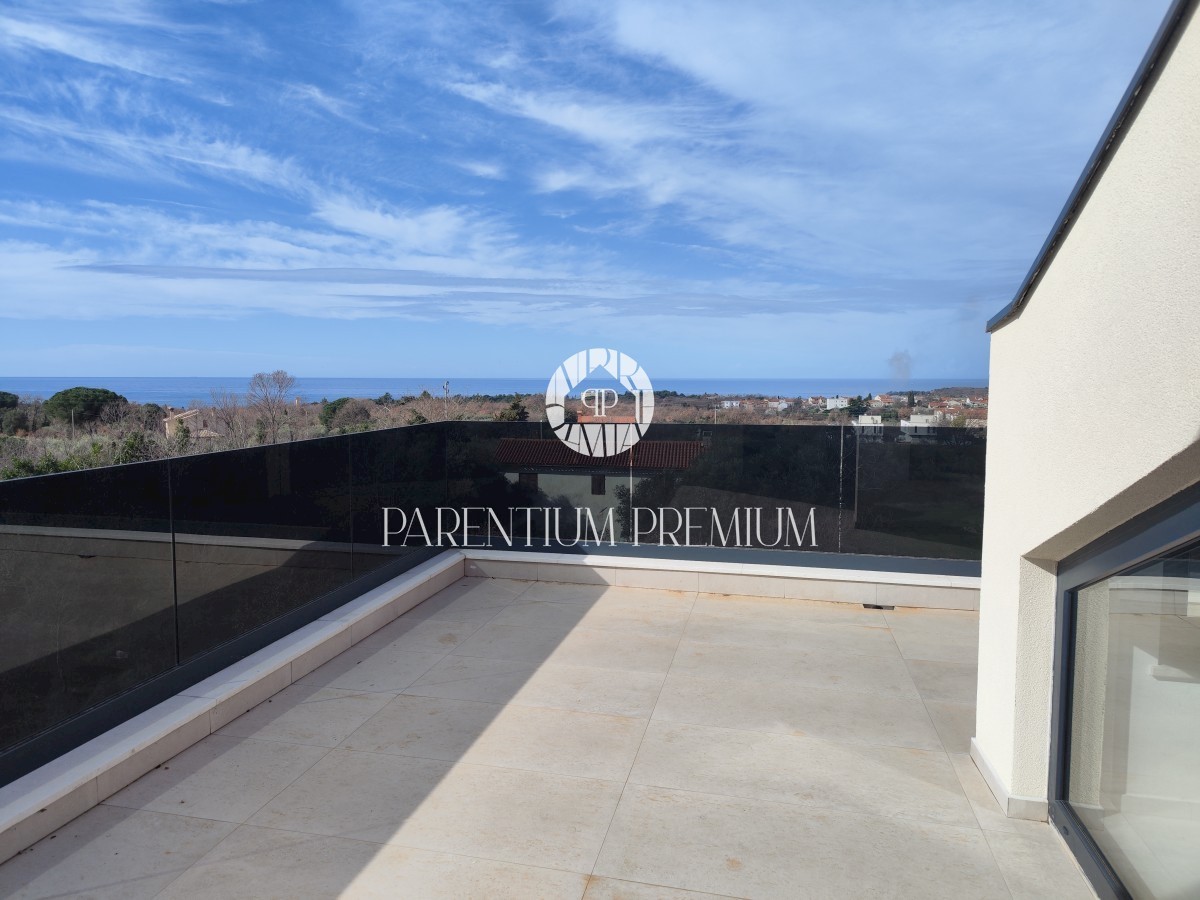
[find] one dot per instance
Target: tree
(912, 400)
(136, 448)
(514, 412)
(352, 416)
(857, 407)
(149, 417)
(227, 414)
(268, 397)
(344, 413)
(8, 401)
(329, 409)
(85, 402)
(386, 400)
(14, 420)
(114, 415)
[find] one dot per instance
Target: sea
(182, 392)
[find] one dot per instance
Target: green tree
(135, 448)
(8, 401)
(14, 420)
(344, 414)
(85, 402)
(858, 406)
(912, 400)
(514, 412)
(330, 409)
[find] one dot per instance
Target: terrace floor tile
(512, 739)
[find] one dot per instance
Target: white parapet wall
(792, 582)
(1094, 410)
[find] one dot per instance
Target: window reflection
(1134, 776)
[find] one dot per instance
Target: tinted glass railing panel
(86, 599)
(489, 464)
(916, 494)
(258, 533)
(109, 577)
(402, 469)
(750, 486)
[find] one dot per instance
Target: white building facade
(1089, 657)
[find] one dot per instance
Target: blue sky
(362, 188)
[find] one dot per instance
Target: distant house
(976, 418)
(731, 404)
(919, 424)
(869, 426)
(174, 420)
(778, 405)
(837, 403)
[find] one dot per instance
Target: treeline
(85, 427)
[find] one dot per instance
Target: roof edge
(1151, 64)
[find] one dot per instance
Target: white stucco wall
(1094, 388)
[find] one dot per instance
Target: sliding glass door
(1127, 766)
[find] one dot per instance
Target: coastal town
(911, 411)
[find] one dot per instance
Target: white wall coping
(874, 576)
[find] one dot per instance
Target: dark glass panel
(258, 533)
(759, 486)
(501, 466)
(86, 599)
(916, 493)
(400, 468)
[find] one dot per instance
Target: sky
(375, 188)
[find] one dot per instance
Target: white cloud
(17, 35)
(483, 169)
(673, 164)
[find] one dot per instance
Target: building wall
(1116, 316)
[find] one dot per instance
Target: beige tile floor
(528, 740)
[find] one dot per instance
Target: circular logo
(599, 402)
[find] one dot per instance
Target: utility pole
(446, 399)
(72, 424)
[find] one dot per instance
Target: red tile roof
(551, 453)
